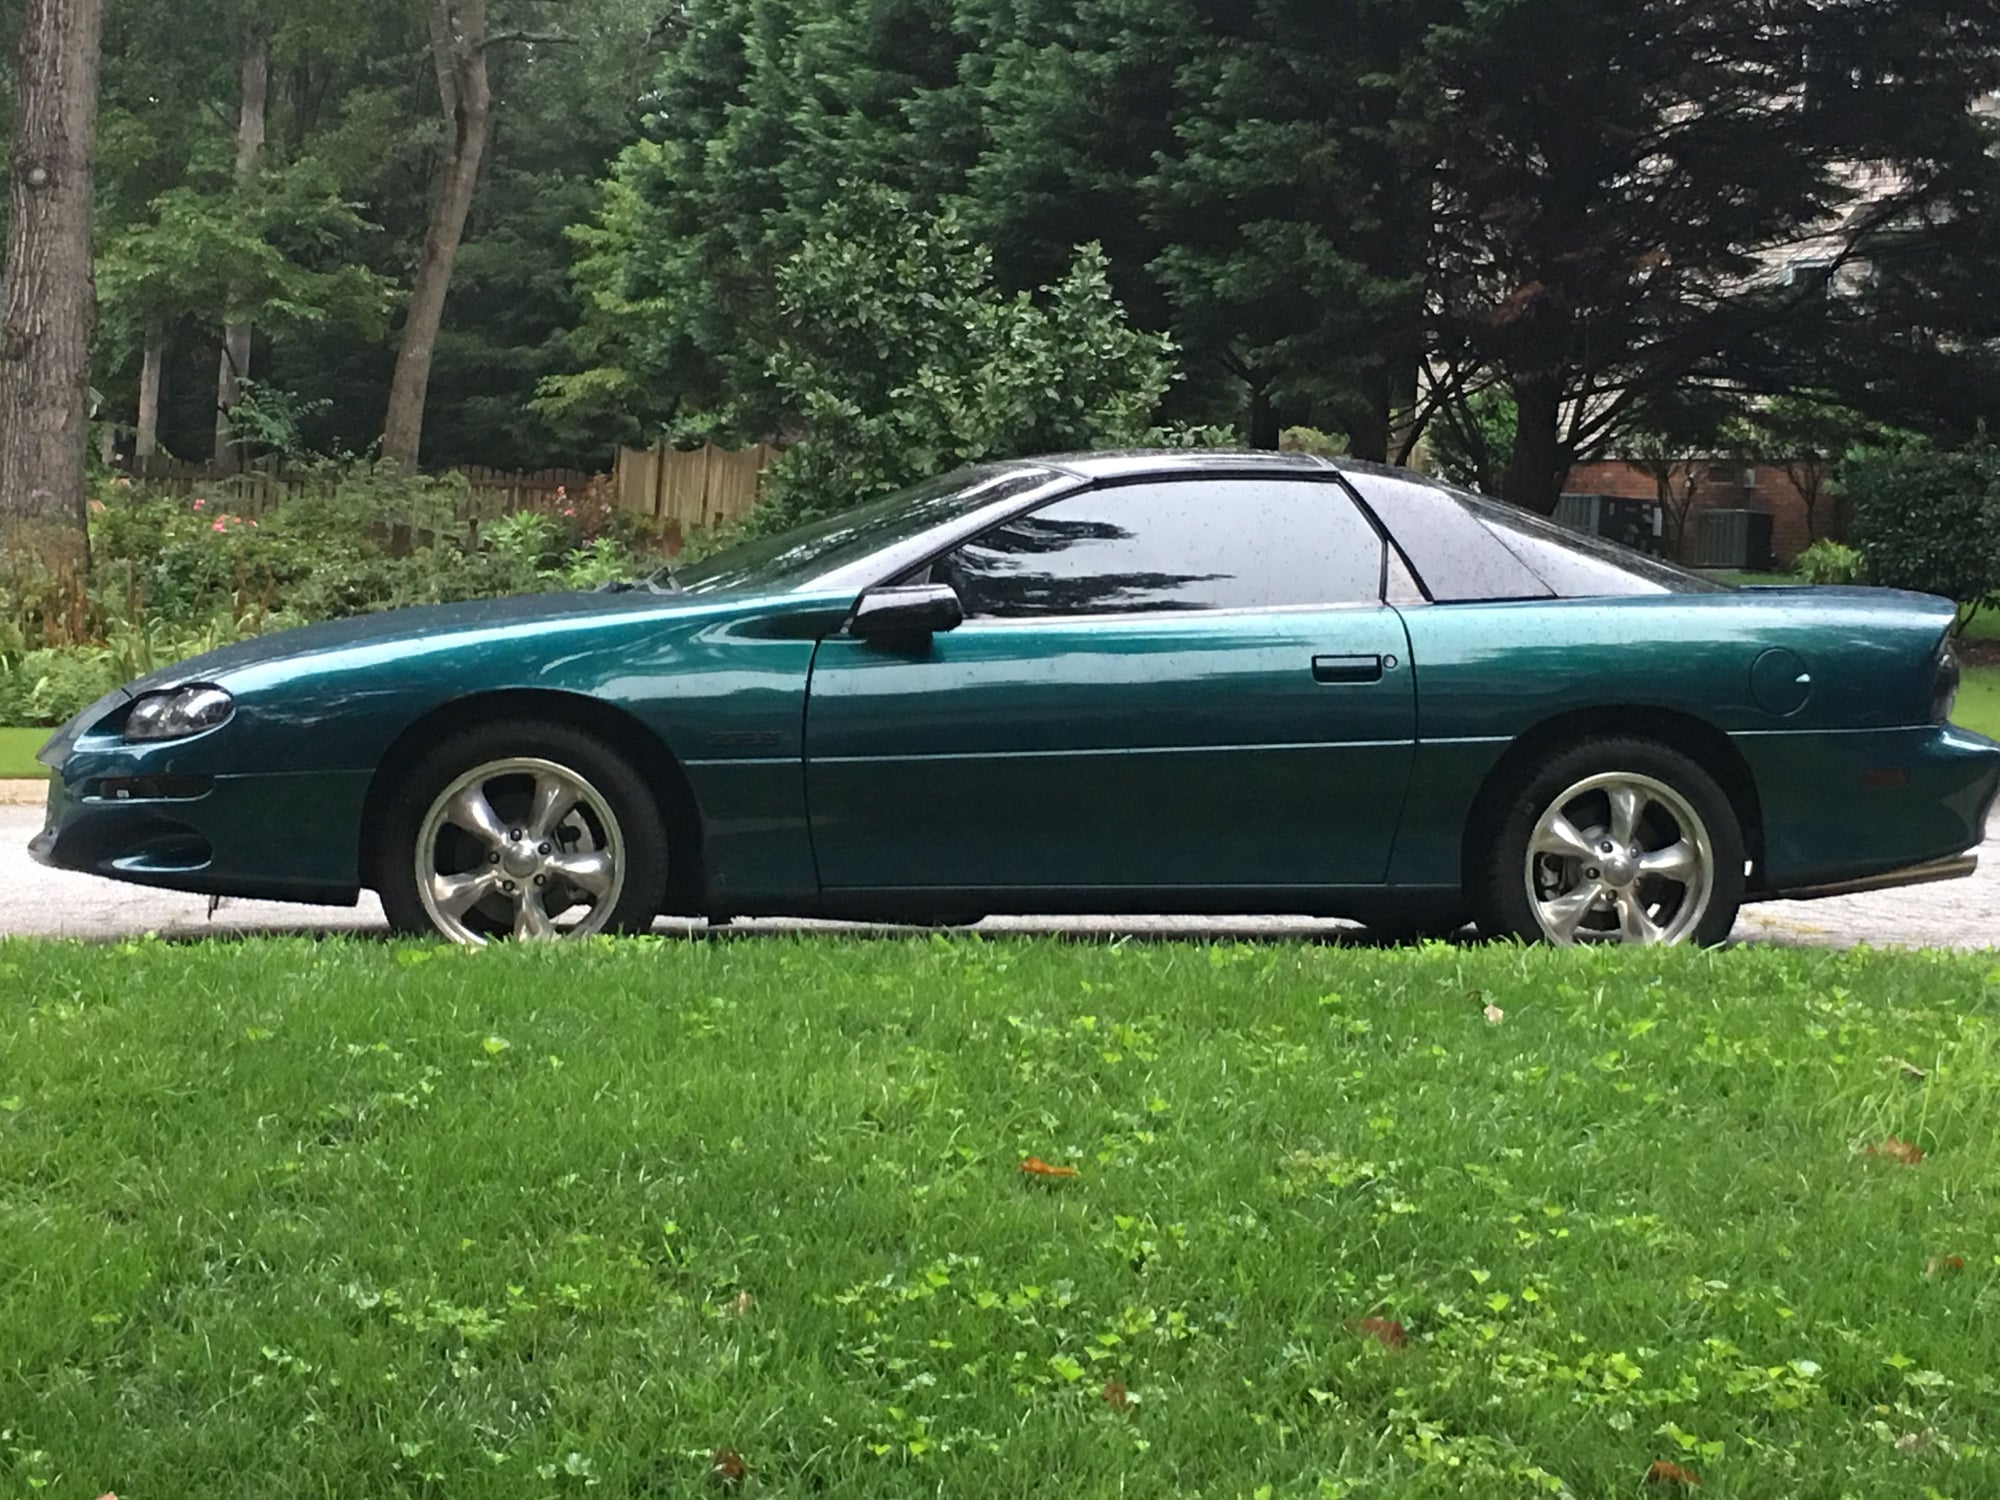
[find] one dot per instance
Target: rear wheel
(1615, 841)
(528, 830)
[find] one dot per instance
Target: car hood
(421, 623)
(391, 627)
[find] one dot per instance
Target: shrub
(1827, 561)
(1929, 519)
(175, 576)
(56, 683)
(903, 358)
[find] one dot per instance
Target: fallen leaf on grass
(742, 1305)
(1494, 1015)
(1116, 1396)
(1944, 1265)
(1907, 1068)
(1385, 1331)
(1899, 1151)
(1663, 1472)
(1034, 1166)
(726, 1467)
(1919, 1443)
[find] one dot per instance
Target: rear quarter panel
(1488, 674)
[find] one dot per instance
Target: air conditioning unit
(1739, 539)
(1638, 524)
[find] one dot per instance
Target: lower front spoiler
(280, 837)
(1956, 868)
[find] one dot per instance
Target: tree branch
(532, 38)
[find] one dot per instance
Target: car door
(1182, 685)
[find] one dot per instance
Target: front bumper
(275, 837)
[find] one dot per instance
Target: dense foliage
(1351, 215)
(1929, 519)
(903, 360)
(177, 575)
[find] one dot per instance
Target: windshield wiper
(650, 583)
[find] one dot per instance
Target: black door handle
(1347, 669)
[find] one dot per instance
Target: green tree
(1296, 208)
(1611, 178)
(901, 358)
(1807, 437)
(1928, 518)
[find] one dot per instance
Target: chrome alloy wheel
(523, 847)
(1620, 858)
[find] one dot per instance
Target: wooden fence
(264, 484)
(690, 489)
(682, 490)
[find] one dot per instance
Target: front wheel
(1615, 841)
(527, 830)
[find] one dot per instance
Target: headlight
(173, 716)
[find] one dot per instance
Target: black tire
(1417, 927)
(641, 827)
(1499, 876)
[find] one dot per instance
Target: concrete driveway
(48, 903)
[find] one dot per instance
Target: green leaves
(1929, 519)
(904, 359)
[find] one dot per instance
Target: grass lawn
(281, 1219)
(17, 754)
(1979, 701)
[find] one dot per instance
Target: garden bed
(289, 1218)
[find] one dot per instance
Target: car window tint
(1580, 566)
(1193, 545)
(1458, 559)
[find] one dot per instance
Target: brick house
(1724, 484)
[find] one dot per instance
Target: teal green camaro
(1216, 683)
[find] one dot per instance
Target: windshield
(793, 559)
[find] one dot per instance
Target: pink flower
(97, 507)
(220, 526)
(569, 510)
(199, 503)
(562, 492)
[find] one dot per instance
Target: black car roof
(1138, 463)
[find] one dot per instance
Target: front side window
(1189, 545)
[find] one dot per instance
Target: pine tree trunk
(458, 46)
(50, 295)
(237, 334)
(1537, 468)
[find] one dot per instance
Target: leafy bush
(1827, 561)
(1929, 519)
(903, 359)
(528, 536)
(177, 576)
(53, 684)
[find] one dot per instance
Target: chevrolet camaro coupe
(1214, 683)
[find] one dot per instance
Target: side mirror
(923, 609)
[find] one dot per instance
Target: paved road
(39, 902)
